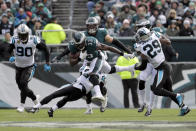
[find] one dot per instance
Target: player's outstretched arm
(142, 65)
(109, 48)
(57, 58)
(117, 43)
(42, 46)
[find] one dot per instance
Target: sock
(177, 94)
(55, 107)
(142, 96)
(152, 96)
(122, 68)
(88, 106)
(22, 104)
(97, 90)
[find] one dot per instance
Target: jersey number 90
(154, 49)
(20, 51)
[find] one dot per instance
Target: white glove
(132, 70)
(129, 56)
(83, 55)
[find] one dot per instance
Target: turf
(77, 115)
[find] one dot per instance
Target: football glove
(12, 59)
(47, 68)
(129, 56)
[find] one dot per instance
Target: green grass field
(112, 119)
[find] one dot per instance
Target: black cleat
(102, 109)
(148, 112)
(141, 109)
(50, 112)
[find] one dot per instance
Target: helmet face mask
(92, 25)
(143, 34)
(23, 33)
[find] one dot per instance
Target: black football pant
(130, 84)
(23, 76)
(162, 85)
(70, 93)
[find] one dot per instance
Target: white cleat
(37, 99)
(98, 96)
(88, 111)
(20, 109)
(104, 104)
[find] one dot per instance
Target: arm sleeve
(120, 45)
(65, 52)
(42, 46)
(142, 65)
(11, 48)
(171, 51)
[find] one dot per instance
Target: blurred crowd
(173, 17)
(35, 13)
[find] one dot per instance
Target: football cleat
(184, 110)
(20, 109)
(148, 112)
(104, 104)
(88, 111)
(50, 112)
(37, 99)
(180, 98)
(141, 109)
(98, 96)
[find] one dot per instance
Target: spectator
(115, 13)
(53, 37)
(171, 16)
(173, 29)
(126, 13)
(141, 13)
(10, 16)
(21, 15)
(90, 5)
(111, 25)
(6, 26)
(101, 14)
(180, 9)
(3, 9)
(159, 25)
(4, 45)
(96, 9)
(179, 22)
(162, 19)
(129, 81)
(154, 16)
(37, 26)
(126, 30)
(14, 6)
(186, 29)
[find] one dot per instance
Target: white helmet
(143, 34)
(23, 32)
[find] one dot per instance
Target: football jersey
(152, 50)
(24, 53)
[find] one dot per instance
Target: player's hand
(47, 68)
(54, 60)
(129, 56)
(12, 59)
(83, 55)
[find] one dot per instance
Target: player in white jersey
(150, 48)
(70, 92)
(149, 71)
(24, 46)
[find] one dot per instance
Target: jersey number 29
(154, 49)
(20, 51)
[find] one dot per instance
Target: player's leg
(104, 92)
(72, 94)
(126, 93)
(89, 109)
(22, 94)
(133, 84)
(95, 67)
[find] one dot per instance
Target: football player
(149, 71)
(25, 46)
(150, 50)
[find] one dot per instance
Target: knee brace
(94, 79)
(141, 85)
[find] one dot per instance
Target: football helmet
(79, 38)
(92, 25)
(143, 23)
(23, 33)
(143, 34)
